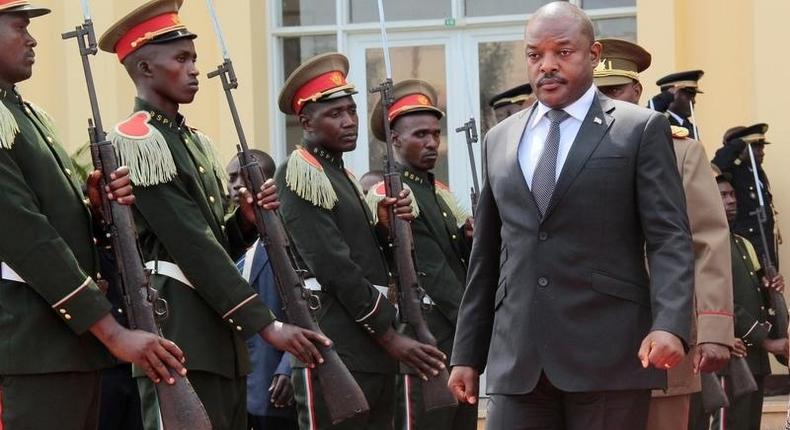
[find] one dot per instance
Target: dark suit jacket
(570, 295)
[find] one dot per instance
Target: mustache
(551, 79)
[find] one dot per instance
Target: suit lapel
(514, 136)
(594, 127)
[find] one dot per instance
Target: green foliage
(81, 159)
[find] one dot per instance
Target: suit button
(543, 282)
(543, 235)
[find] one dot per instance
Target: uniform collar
(422, 178)
(159, 117)
(10, 95)
(676, 116)
(320, 152)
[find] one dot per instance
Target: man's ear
(638, 89)
(595, 53)
(395, 138)
(144, 68)
(306, 122)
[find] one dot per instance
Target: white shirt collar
(577, 109)
(674, 115)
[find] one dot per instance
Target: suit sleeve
(711, 240)
(40, 256)
(662, 210)
(190, 241)
(328, 257)
(476, 314)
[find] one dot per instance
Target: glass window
(502, 7)
(600, 4)
(621, 28)
(420, 62)
(308, 12)
(399, 10)
(502, 66)
(295, 51)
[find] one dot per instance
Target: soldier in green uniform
(185, 235)
(751, 319)
(442, 238)
(56, 331)
(339, 241)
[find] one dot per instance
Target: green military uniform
(751, 326)
(48, 299)
(336, 237)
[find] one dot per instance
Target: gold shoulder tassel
(8, 127)
(305, 176)
(143, 149)
(443, 191)
(44, 117)
(213, 156)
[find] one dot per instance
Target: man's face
(174, 73)
(333, 124)
(629, 92)
(728, 199)
(560, 60)
(505, 111)
(417, 138)
(683, 100)
(16, 48)
(759, 152)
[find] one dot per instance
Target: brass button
(211, 199)
(238, 328)
(67, 316)
(444, 214)
(230, 321)
(455, 237)
(68, 172)
(63, 311)
(201, 169)
(49, 139)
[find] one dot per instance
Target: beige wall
(58, 84)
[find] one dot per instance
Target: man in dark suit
(579, 191)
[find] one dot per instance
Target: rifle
(179, 405)
(470, 132)
(777, 300)
(343, 397)
(434, 390)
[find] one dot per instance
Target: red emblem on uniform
(136, 127)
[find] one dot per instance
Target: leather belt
(171, 270)
(7, 273)
(313, 285)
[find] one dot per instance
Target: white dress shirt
(676, 116)
(534, 137)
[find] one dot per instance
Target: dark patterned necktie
(544, 177)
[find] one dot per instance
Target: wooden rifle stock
(179, 405)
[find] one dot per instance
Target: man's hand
(267, 198)
(463, 383)
(739, 348)
(296, 340)
(282, 392)
(119, 188)
(469, 228)
(147, 351)
(777, 283)
(776, 346)
(402, 208)
(426, 360)
(710, 357)
(661, 349)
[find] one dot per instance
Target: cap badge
(421, 99)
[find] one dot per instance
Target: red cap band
(144, 32)
(315, 88)
(406, 102)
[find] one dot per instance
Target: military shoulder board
(143, 148)
(443, 192)
(679, 132)
(378, 192)
(306, 177)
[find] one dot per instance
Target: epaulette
(378, 192)
(143, 148)
(679, 132)
(306, 177)
(443, 191)
(353, 178)
(213, 156)
(8, 127)
(43, 116)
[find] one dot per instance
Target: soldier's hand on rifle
(710, 357)
(119, 188)
(403, 208)
(661, 349)
(776, 346)
(463, 383)
(296, 340)
(267, 198)
(425, 359)
(777, 283)
(282, 392)
(147, 351)
(739, 348)
(469, 228)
